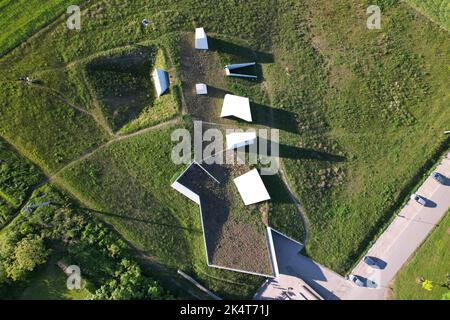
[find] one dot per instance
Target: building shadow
(224, 46)
(297, 153)
(274, 118)
(218, 93)
(291, 263)
(215, 207)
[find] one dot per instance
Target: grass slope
(436, 10)
(45, 128)
(431, 262)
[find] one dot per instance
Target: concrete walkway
(394, 247)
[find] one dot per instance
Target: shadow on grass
(291, 263)
(217, 92)
(298, 153)
(274, 118)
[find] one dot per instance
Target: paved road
(408, 230)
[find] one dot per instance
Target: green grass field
(431, 262)
(361, 113)
(17, 177)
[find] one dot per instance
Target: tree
(29, 253)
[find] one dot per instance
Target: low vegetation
(21, 19)
(71, 235)
(436, 10)
(17, 177)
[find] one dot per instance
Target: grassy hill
(22, 18)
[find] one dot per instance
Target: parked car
(374, 262)
(418, 199)
(362, 282)
(439, 177)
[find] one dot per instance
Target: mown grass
(122, 84)
(128, 185)
(360, 111)
(368, 110)
(21, 19)
(436, 10)
(430, 262)
(47, 130)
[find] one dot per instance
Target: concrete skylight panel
(201, 40)
(251, 188)
(161, 81)
(236, 106)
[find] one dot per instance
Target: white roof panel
(251, 187)
(236, 106)
(161, 81)
(240, 139)
(201, 40)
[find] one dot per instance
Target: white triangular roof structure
(251, 187)
(201, 40)
(161, 81)
(240, 139)
(236, 106)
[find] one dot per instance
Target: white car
(418, 199)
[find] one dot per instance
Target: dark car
(374, 262)
(362, 282)
(419, 199)
(439, 177)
